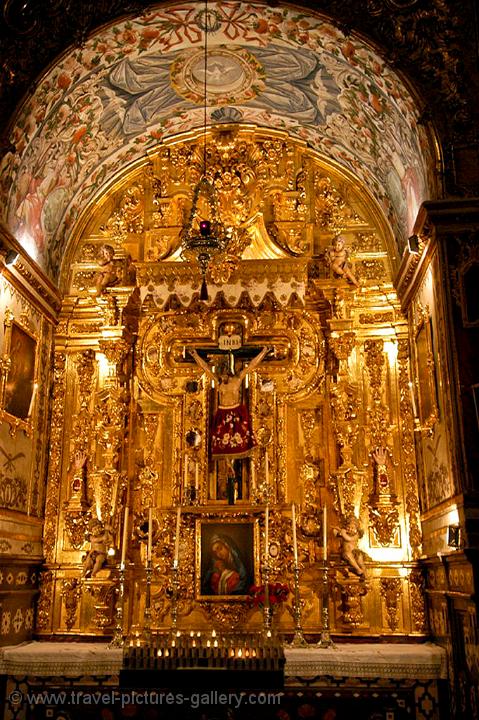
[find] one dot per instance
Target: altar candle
(124, 539)
(295, 542)
(197, 477)
(32, 401)
(325, 534)
(150, 533)
(252, 471)
(266, 469)
(266, 532)
(177, 537)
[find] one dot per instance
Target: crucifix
(231, 434)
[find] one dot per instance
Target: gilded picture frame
(226, 558)
(19, 368)
(428, 411)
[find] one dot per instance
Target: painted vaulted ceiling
(139, 81)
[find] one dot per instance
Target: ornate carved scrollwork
(71, 593)
(351, 594)
(391, 591)
(411, 492)
(104, 598)
(45, 601)
(418, 605)
(54, 478)
(77, 508)
(346, 481)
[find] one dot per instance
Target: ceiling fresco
(133, 84)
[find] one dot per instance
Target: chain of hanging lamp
(203, 239)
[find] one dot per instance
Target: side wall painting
(20, 379)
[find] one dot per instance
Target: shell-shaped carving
(227, 114)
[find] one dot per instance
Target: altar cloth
(362, 660)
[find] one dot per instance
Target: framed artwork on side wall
(18, 373)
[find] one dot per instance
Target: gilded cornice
(435, 218)
(29, 279)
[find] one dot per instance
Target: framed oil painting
(426, 374)
(19, 374)
(226, 558)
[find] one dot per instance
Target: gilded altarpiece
(330, 401)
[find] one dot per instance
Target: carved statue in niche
(337, 257)
(349, 534)
(231, 432)
(100, 538)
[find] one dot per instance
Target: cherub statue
(107, 274)
(337, 256)
(349, 535)
(100, 536)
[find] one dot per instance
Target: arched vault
(102, 107)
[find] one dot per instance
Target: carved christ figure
(231, 430)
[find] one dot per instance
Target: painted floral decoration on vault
(285, 69)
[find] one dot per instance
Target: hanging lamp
(204, 238)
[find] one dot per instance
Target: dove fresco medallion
(232, 75)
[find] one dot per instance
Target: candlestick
(298, 639)
(124, 539)
(147, 616)
(185, 481)
(325, 638)
(267, 610)
(118, 637)
(252, 474)
(266, 533)
(177, 536)
(174, 599)
(325, 535)
(150, 534)
(295, 542)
